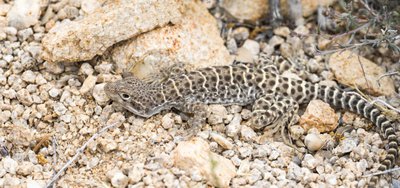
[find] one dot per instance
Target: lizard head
(135, 95)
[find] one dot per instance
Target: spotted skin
(275, 97)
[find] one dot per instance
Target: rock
(4, 8)
(117, 178)
(54, 92)
(247, 133)
(89, 6)
(218, 114)
(313, 141)
(244, 55)
(346, 67)
(222, 141)
(168, 121)
(81, 40)
(246, 10)
(256, 9)
(310, 6)
(253, 47)
(25, 168)
(319, 115)
(233, 128)
(86, 69)
(136, 173)
(24, 97)
(10, 165)
(88, 84)
(346, 146)
(196, 155)
(194, 41)
(99, 94)
(309, 161)
(28, 76)
(282, 31)
(34, 184)
(24, 13)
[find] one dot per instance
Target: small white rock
(168, 121)
(136, 173)
(28, 76)
(222, 141)
(99, 94)
(54, 92)
(24, 13)
(88, 84)
(233, 128)
(253, 47)
(10, 165)
(117, 178)
(313, 142)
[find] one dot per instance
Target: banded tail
(357, 104)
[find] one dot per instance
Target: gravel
(49, 110)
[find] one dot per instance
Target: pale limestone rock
(83, 39)
(319, 115)
(255, 9)
(196, 155)
(24, 13)
(350, 69)
(117, 178)
(221, 140)
(246, 9)
(195, 41)
(88, 84)
(313, 141)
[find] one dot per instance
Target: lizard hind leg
(275, 113)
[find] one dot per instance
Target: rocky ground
(57, 55)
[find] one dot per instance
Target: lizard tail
(355, 103)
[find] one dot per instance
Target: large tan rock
(117, 21)
(319, 115)
(195, 155)
(255, 9)
(194, 41)
(353, 70)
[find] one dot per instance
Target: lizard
(275, 97)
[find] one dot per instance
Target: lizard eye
(125, 96)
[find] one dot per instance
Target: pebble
(168, 121)
(24, 13)
(54, 92)
(28, 76)
(99, 94)
(86, 69)
(275, 41)
(309, 161)
(89, 6)
(136, 173)
(25, 168)
(346, 146)
(222, 141)
(25, 34)
(24, 97)
(233, 128)
(88, 84)
(117, 178)
(247, 133)
(319, 115)
(10, 165)
(282, 31)
(195, 154)
(253, 47)
(218, 114)
(313, 142)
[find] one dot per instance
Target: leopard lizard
(275, 97)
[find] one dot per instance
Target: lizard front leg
(276, 113)
(195, 114)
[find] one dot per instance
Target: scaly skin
(275, 98)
